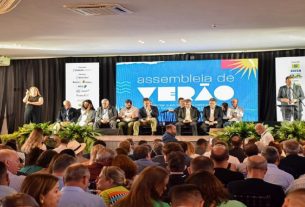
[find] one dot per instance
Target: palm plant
(291, 130)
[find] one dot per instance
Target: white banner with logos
(289, 66)
(82, 82)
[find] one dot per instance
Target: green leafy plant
(291, 130)
(243, 129)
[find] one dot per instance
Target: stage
(113, 141)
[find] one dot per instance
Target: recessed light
(162, 41)
(183, 40)
(140, 41)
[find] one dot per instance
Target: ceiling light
(162, 41)
(183, 40)
(8, 5)
(140, 41)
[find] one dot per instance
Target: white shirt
(212, 114)
(188, 114)
(6, 191)
(238, 112)
(105, 115)
(15, 181)
(266, 138)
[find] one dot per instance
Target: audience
(236, 150)
(19, 200)
(191, 150)
(224, 170)
(78, 149)
(274, 175)
(254, 189)
(74, 193)
(201, 163)
(297, 184)
(11, 160)
(212, 190)
(44, 160)
(44, 188)
(167, 148)
(35, 139)
(111, 182)
(62, 145)
(5, 190)
(293, 163)
(30, 162)
(170, 133)
(201, 146)
(147, 189)
(187, 195)
(266, 136)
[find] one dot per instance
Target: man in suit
(148, 114)
(106, 116)
(291, 94)
(67, 113)
(188, 115)
(181, 102)
(254, 189)
(212, 116)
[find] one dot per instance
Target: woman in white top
(87, 114)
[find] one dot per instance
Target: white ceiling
(43, 28)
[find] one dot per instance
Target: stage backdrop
(82, 82)
(289, 66)
(164, 82)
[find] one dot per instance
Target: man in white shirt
(275, 175)
(236, 113)
(127, 116)
(11, 160)
(266, 137)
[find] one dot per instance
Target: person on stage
(148, 114)
(212, 116)
(128, 115)
(188, 115)
(181, 102)
(291, 94)
(33, 102)
(67, 113)
(106, 116)
(235, 114)
(87, 114)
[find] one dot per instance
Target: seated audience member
(233, 160)
(236, 150)
(132, 144)
(67, 113)
(142, 157)
(12, 162)
(293, 163)
(111, 183)
(181, 105)
(106, 116)
(170, 133)
(126, 146)
(148, 115)
(295, 199)
(250, 149)
(44, 188)
(212, 190)
(87, 114)
(188, 115)
(225, 112)
(298, 183)
(223, 169)
(127, 165)
(212, 116)
(167, 148)
(236, 113)
(128, 115)
(274, 175)
(201, 146)
(147, 189)
(62, 146)
(201, 163)
(104, 157)
(266, 136)
(191, 150)
(60, 165)
(68, 152)
(186, 195)
(5, 190)
(74, 193)
(30, 162)
(121, 151)
(78, 149)
(44, 160)
(254, 188)
(35, 139)
(279, 148)
(19, 200)
(157, 149)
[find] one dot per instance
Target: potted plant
(291, 130)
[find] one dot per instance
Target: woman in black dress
(33, 102)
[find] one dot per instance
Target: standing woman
(33, 102)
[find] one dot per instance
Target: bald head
(219, 153)
(260, 128)
(10, 159)
(256, 166)
(295, 198)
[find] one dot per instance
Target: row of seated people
(130, 118)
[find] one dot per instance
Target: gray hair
(76, 172)
(257, 162)
(104, 154)
(291, 147)
(104, 99)
(271, 154)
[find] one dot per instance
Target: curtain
(49, 76)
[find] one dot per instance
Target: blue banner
(164, 82)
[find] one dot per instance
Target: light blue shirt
(6, 190)
(277, 176)
(76, 197)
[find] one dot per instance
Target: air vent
(98, 9)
